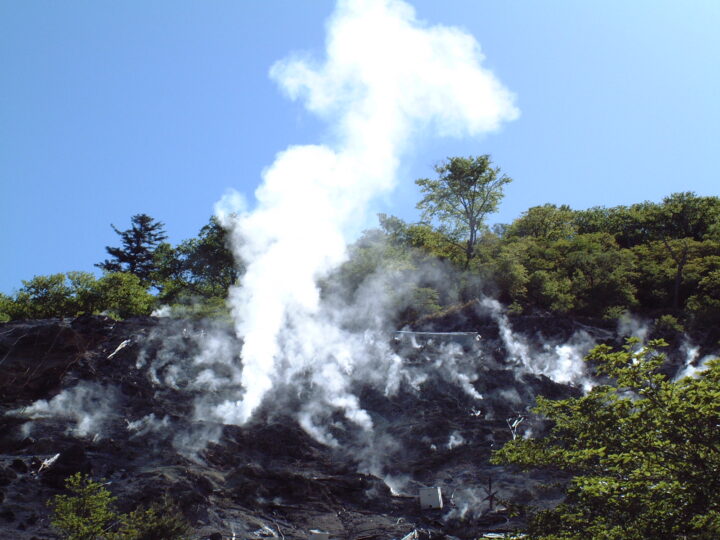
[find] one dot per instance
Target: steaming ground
(323, 386)
(201, 364)
(144, 416)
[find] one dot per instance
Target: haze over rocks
(122, 401)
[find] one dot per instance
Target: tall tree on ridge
(465, 192)
(139, 243)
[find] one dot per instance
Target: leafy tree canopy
(73, 293)
(654, 259)
(465, 192)
(201, 267)
(547, 222)
(678, 216)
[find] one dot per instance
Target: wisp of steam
(385, 79)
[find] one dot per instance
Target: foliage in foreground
(88, 513)
(644, 452)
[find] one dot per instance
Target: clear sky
(110, 109)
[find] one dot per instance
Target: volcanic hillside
(117, 400)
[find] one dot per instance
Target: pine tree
(139, 243)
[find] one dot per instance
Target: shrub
(120, 295)
(88, 513)
(668, 326)
(123, 295)
(162, 521)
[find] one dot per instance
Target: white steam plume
(89, 407)
(563, 363)
(385, 76)
(692, 367)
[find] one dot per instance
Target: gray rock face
(105, 398)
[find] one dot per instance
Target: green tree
(88, 512)
(7, 308)
(161, 521)
(465, 192)
(137, 253)
(686, 215)
(123, 295)
(551, 290)
(643, 452)
(662, 283)
(682, 219)
(601, 274)
(42, 297)
(585, 274)
(83, 288)
(704, 306)
(546, 222)
(678, 223)
(420, 238)
(68, 295)
(201, 267)
(510, 274)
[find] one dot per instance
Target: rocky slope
(110, 399)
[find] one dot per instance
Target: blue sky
(109, 109)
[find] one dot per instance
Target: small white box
(318, 535)
(431, 497)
